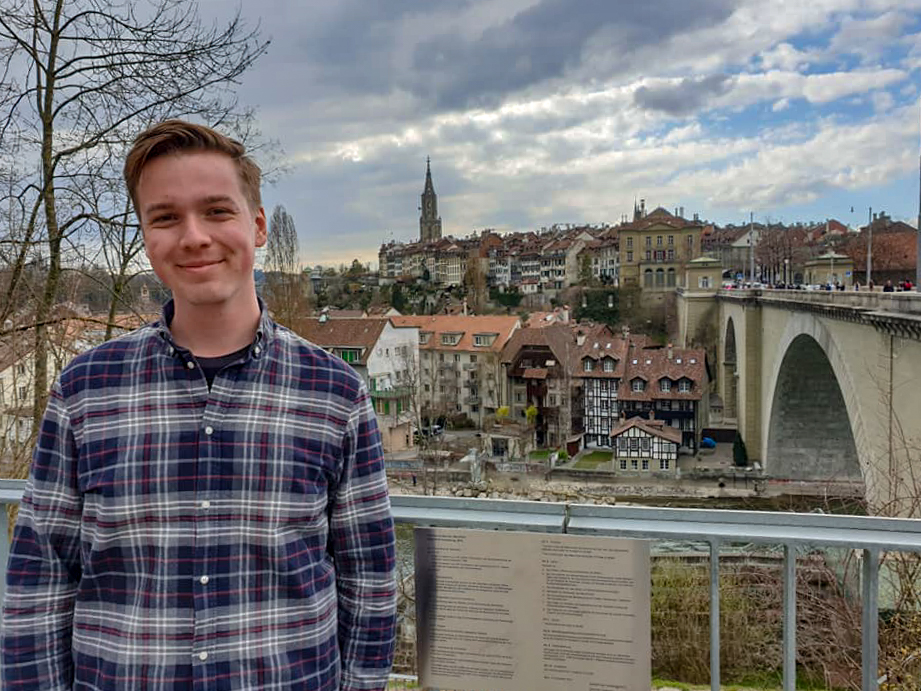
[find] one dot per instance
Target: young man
(207, 507)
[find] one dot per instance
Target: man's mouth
(198, 265)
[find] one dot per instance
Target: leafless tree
(286, 288)
(79, 80)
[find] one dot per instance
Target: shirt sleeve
(44, 566)
(363, 546)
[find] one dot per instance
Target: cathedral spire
(429, 222)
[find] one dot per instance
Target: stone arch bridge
(823, 386)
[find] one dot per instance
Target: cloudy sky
(537, 112)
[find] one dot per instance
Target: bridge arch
(813, 419)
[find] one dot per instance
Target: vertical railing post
(714, 616)
(789, 617)
(870, 630)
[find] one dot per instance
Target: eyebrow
(213, 199)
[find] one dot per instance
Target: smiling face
(200, 233)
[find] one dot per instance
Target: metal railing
(715, 527)
(871, 535)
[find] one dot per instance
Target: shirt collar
(265, 331)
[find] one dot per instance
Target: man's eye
(219, 212)
(163, 218)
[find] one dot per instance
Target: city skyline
(537, 113)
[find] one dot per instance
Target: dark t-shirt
(212, 365)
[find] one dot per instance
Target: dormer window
(424, 337)
(684, 386)
(608, 364)
(483, 340)
(450, 339)
(665, 385)
(639, 385)
(693, 360)
(588, 365)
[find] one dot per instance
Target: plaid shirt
(173, 537)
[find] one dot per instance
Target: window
(608, 364)
(648, 255)
(20, 368)
(645, 464)
(519, 397)
(671, 255)
(427, 388)
(690, 244)
(638, 385)
(587, 365)
(441, 388)
(703, 282)
(665, 385)
(604, 404)
(441, 357)
(629, 256)
(649, 241)
(473, 359)
(634, 464)
(660, 255)
(634, 444)
(671, 239)
(623, 463)
(456, 357)
(23, 392)
(629, 243)
(552, 398)
(684, 386)
(644, 443)
(480, 340)
(349, 355)
(664, 463)
(622, 443)
(658, 240)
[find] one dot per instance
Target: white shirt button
(204, 580)
(203, 656)
(190, 364)
(206, 504)
(209, 430)
(257, 350)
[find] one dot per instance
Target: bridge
(822, 386)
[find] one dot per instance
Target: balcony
(470, 366)
(472, 400)
(801, 533)
(395, 392)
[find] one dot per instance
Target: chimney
(626, 331)
(580, 340)
(669, 351)
(642, 208)
(682, 212)
(465, 307)
(696, 216)
(652, 414)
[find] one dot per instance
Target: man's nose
(194, 232)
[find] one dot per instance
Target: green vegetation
(739, 452)
(600, 305)
(591, 461)
(510, 298)
(540, 454)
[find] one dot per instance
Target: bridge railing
(903, 303)
(717, 528)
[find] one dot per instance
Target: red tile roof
(657, 428)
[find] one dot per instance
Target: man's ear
(261, 229)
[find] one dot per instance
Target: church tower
(429, 222)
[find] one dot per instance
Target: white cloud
(781, 105)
